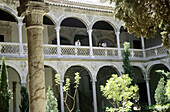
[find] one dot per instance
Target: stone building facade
(92, 23)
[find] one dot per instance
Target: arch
(47, 20)
(80, 65)
(81, 19)
(10, 11)
(84, 90)
(51, 66)
(113, 66)
(52, 17)
(15, 68)
(139, 78)
(104, 73)
(104, 20)
(154, 78)
(140, 67)
(150, 66)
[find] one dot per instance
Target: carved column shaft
(34, 12)
(61, 95)
(58, 40)
(148, 90)
(118, 43)
(20, 36)
(90, 42)
(94, 95)
(143, 47)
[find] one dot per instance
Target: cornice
(80, 5)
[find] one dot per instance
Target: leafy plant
(51, 101)
(127, 67)
(119, 92)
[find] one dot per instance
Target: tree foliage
(24, 106)
(160, 96)
(144, 17)
(120, 92)
(5, 92)
(51, 101)
(126, 62)
(167, 76)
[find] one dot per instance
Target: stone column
(20, 35)
(94, 95)
(148, 90)
(58, 40)
(90, 42)
(118, 43)
(34, 12)
(143, 47)
(77, 101)
(61, 95)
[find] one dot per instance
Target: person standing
(104, 44)
(77, 43)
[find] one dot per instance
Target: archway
(154, 78)
(125, 36)
(71, 27)
(50, 82)
(84, 98)
(103, 74)
(8, 22)
(14, 86)
(104, 32)
(139, 80)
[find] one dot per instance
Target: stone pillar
(77, 101)
(58, 40)
(34, 12)
(148, 90)
(61, 95)
(118, 43)
(20, 36)
(94, 95)
(143, 47)
(90, 42)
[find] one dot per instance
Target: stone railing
(135, 53)
(9, 48)
(13, 49)
(157, 51)
(101, 52)
(75, 51)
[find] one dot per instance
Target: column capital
(61, 81)
(20, 20)
(23, 82)
(89, 30)
(34, 12)
(93, 80)
(20, 23)
(117, 33)
(147, 79)
(57, 28)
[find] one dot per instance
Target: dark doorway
(137, 44)
(1, 38)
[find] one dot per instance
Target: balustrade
(156, 51)
(83, 51)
